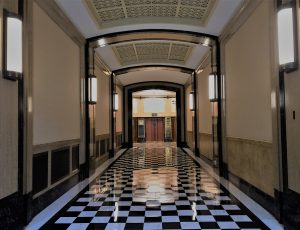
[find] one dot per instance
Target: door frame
(180, 111)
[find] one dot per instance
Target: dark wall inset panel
(107, 145)
(40, 172)
(60, 164)
(75, 157)
(102, 147)
(97, 149)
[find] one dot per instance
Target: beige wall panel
(205, 106)
(253, 162)
(8, 123)
(248, 101)
(248, 81)
(56, 74)
(102, 106)
(206, 145)
(119, 113)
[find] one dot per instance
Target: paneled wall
(205, 108)
(102, 106)
(248, 101)
(56, 99)
(189, 118)
(8, 122)
(57, 68)
(56, 82)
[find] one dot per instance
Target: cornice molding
(58, 16)
(240, 17)
(102, 65)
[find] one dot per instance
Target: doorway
(154, 116)
(154, 129)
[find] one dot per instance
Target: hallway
(155, 188)
(149, 114)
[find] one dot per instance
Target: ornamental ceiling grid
(152, 52)
(120, 12)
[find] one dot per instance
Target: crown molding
(239, 18)
(58, 16)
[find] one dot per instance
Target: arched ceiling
(113, 26)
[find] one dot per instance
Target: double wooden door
(155, 129)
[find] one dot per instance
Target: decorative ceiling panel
(152, 52)
(123, 12)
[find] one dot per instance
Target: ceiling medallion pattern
(120, 12)
(152, 52)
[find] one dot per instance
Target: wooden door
(154, 129)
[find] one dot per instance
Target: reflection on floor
(157, 188)
(155, 144)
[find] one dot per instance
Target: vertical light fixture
(92, 89)
(287, 37)
(212, 87)
(191, 101)
(12, 46)
(116, 102)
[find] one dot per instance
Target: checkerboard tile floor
(157, 188)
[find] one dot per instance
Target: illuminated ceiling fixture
(192, 101)
(12, 46)
(102, 42)
(287, 38)
(92, 89)
(212, 88)
(206, 42)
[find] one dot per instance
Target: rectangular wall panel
(40, 172)
(75, 157)
(60, 164)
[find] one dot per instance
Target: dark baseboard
(12, 212)
(83, 171)
(271, 204)
(207, 160)
(96, 162)
(44, 200)
(111, 153)
(290, 209)
(225, 172)
(182, 145)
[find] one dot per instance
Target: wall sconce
(92, 87)
(12, 46)
(212, 87)
(116, 102)
(287, 37)
(192, 102)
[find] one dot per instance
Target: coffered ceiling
(115, 12)
(99, 17)
(149, 52)
(102, 17)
